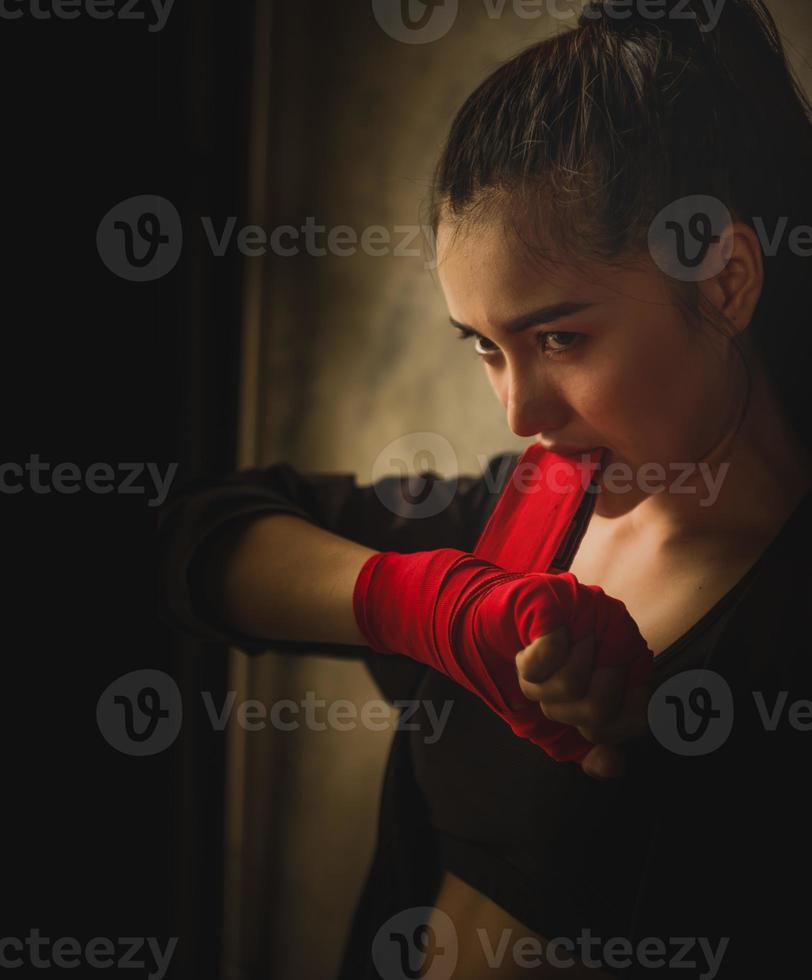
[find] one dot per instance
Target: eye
(561, 341)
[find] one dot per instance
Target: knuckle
(532, 671)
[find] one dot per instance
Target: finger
(604, 762)
(631, 721)
(542, 658)
(601, 705)
(571, 682)
(539, 658)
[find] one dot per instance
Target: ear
(736, 289)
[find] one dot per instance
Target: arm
(206, 522)
(285, 578)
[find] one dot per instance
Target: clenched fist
(563, 678)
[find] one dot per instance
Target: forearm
(283, 578)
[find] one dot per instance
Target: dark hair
(595, 130)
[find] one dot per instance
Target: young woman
(597, 343)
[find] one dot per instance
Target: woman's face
(615, 366)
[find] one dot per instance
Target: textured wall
(357, 354)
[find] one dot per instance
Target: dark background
(98, 843)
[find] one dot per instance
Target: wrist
(395, 597)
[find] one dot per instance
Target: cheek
(633, 387)
(658, 375)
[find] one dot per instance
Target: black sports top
(504, 812)
(704, 847)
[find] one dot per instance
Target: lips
(564, 450)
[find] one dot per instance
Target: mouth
(564, 449)
(568, 450)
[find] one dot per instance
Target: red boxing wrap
(468, 617)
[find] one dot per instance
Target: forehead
(486, 270)
(489, 274)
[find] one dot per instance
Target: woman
(554, 204)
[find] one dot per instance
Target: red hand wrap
(468, 618)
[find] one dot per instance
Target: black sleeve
(200, 524)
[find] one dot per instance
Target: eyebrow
(547, 314)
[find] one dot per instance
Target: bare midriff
(491, 943)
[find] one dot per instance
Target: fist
(562, 677)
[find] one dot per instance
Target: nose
(531, 404)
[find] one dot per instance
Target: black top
(705, 847)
